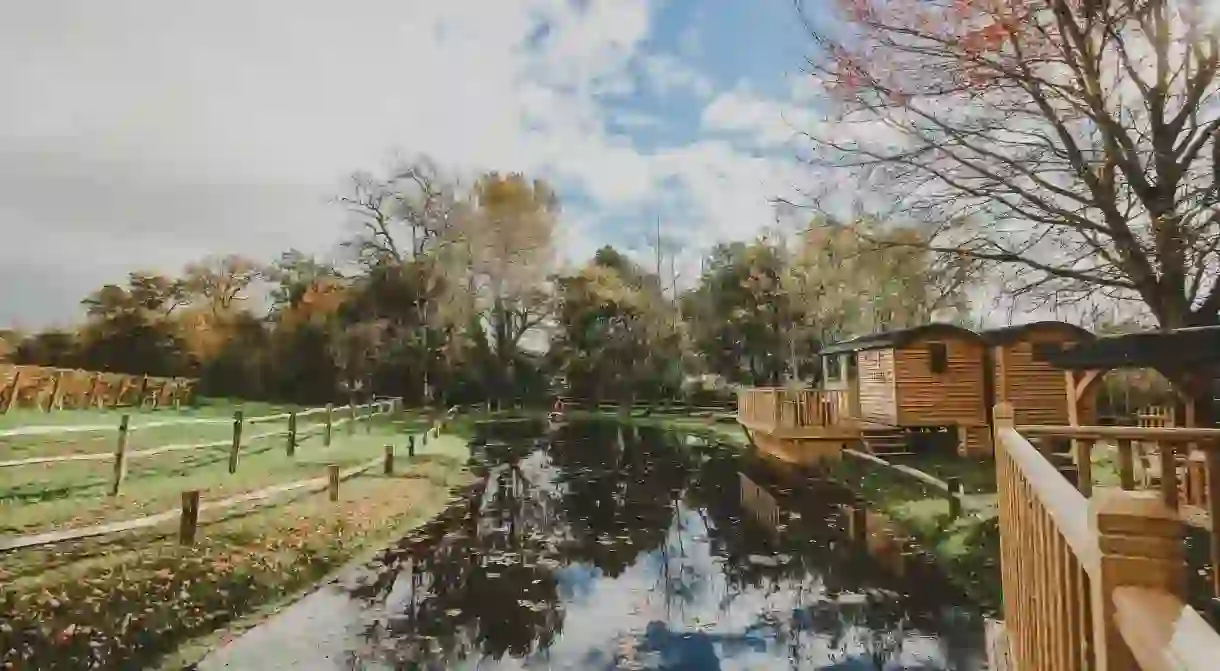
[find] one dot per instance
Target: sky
(146, 134)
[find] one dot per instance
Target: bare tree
(1072, 141)
(1071, 145)
(222, 281)
(408, 220)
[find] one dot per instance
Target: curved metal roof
(900, 338)
(1007, 334)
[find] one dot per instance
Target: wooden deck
(803, 427)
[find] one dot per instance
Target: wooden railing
(792, 408)
(1095, 581)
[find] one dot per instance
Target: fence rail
(191, 508)
(793, 408)
(124, 429)
(1093, 581)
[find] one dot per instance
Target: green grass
(966, 547)
(130, 599)
(50, 496)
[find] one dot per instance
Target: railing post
(1082, 448)
(389, 460)
(1126, 464)
(1140, 543)
(330, 424)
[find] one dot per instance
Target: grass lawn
(126, 601)
(43, 497)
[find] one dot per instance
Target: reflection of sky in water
(672, 607)
(604, 613)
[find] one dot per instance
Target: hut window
(833, 369)
(938, 357)
(1043, 351)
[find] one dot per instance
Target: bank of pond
(601, 545)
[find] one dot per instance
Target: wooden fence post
(955, 501)
(368, 421)
(13, 390)
(1140, 539)
(236, 446)
(332, 485)
(292, 434)
(55, 387)
(389, 460)
(330, 423)
(120, 456)
(411, 446)
(189, 521)
(143, 390)
(351, 418)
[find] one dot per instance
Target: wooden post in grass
(143, 390)
(292, 434)
(368, 420)
(410, 446)
(389, 460)
(330, 422)
(120, 456)
(189, 522)
(955, 502)
(12, 397)
(332, 485)
(55, 387)
(351, 418)
(236, 446)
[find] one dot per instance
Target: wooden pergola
(1189, 358)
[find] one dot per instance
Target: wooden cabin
(1020, 373)
(926, 379)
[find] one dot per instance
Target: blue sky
(231, 126)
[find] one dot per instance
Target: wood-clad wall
(937, 399)
(875, 369)
(1036, 390)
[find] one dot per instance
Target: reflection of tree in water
(845, 601)
(485, 589)
(618, 501)
(608, 497)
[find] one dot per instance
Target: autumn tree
(740, 312)
(129, 328)
(408, 224)
(846, 286)
(616, 337)
(221, 283)
(509, 237)
(1070, 144)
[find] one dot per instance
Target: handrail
(1134, 432)
(1163, 633)
(1063, 502)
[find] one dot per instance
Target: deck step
(886, 441)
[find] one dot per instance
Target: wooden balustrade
(1096, 583)
(792, 408)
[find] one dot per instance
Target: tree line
(444, 292)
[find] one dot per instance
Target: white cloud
(765, 121)
(668, 74)
(231, 125)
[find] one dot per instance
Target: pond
(609, 547)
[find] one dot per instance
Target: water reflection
(610, 548)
